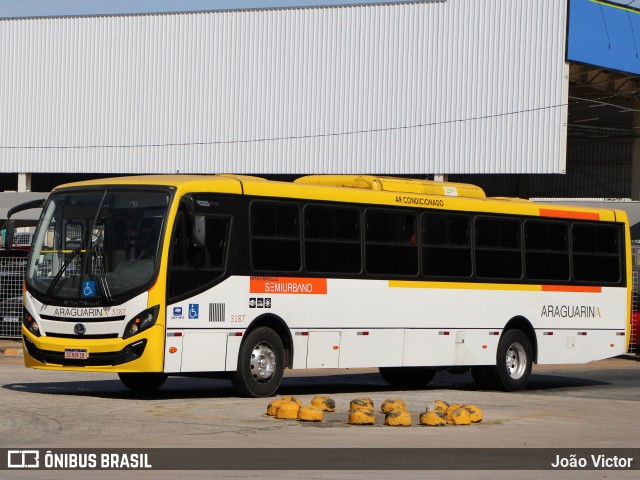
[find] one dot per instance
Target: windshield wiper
(56, 279)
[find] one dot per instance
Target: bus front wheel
(260, 364)
(514, 361)
(407, 376)
(143, 382)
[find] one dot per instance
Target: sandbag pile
(440, 413)
(361, 412)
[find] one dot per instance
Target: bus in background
(241, 277)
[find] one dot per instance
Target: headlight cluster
(141, 322)
(30, 323)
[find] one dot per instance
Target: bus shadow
(178, 387)
(174, 388)
(538, 382)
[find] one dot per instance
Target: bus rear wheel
(260, 364)
(143, 382)
(407, 376)
(514, 361)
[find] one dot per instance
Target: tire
(143, 382)
(407, 376)
(260, 364)
(514, 360)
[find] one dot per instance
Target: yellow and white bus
(241, 277)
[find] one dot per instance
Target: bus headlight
(30, 323)
(141, 322)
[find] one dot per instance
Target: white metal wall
(460, 86)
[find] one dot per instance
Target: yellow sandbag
(326, 404)
(460, 416)
(287, 410)
(290, 398)
(309, 413)
(398, 418)
(440, 406)
(433, 419)
(391, 405)
(475, 413)
(361, 404)
(361, 417)
(453, 407)
(273, 406)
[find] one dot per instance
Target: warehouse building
(529, 98)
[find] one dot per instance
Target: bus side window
(275, 236)
(391, 247)
(179, 242)
(446, 245)
(193, 267)
(332, 239)
(546, 245)
(498, 251)
(596, 253)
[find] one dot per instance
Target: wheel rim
(263, 362)
(516, 360)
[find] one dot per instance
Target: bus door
(197, 262)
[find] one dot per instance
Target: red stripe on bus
(570, 288)
(547, 212)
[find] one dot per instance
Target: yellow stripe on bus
(493, 286)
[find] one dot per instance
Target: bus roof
(363, 189)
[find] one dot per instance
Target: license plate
(11, 319)
(76, 354)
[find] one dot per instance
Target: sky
(37, 8)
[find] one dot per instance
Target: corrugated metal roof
(445, 87)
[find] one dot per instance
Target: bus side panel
(371, 348)
(578, 346)
(445, 347)
(204, 351)
(300, 344)
(173, 354)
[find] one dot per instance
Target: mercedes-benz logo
(80, 329)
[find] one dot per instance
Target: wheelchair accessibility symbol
(194, 310)
(88, 288)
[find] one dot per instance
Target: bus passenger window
(275, 237)
(332, 239)
(546, 250)
(446, 248)
(498, 248)
(596, 253)
(391, 247)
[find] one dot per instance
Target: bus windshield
(97, 245)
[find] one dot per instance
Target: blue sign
(604, 34)
(194, 310)
(177, 311)
(88, 288)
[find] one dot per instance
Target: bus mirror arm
(197, 221)
(10, 224)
